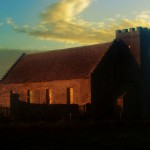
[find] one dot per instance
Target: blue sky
(56, 24)
(43, 24)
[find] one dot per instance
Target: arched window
(48, 96)
(69, 95)
(29, 96)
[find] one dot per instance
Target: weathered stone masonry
(110, 76)
(81, 92)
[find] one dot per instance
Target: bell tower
(138, 40)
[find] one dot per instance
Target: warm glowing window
(69, 95)
(29, 96)
(48, 96)
(120, 102)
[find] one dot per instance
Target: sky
(40, 25)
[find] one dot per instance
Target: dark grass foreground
(75, 136)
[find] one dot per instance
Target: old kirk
(106, 80)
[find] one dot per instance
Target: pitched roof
(71, 63)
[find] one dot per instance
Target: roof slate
(71, 63)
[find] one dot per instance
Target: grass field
(74, 136)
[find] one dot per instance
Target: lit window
(29, 96)
(69, 95)
(48, 96)
(120, 102)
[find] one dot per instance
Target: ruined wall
(20, 110)
(81, 91)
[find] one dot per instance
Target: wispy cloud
(10, 21)
(60, 22)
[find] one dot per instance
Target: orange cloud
(60, 22)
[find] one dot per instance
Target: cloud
(10, 21)
(65, 11)
(144, 15)
(61, 22)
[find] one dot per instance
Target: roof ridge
(66, 49)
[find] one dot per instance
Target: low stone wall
(26, 111)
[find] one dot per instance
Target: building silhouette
(112, 78)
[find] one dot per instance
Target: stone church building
(112, 77)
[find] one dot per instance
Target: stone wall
(81, 92)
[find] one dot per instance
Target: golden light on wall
(49, 96)
(69, 95)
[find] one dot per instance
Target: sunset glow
(51, 24)
(56, 24)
